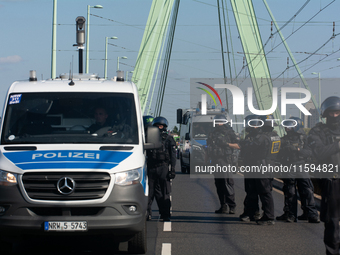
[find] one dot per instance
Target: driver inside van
(100, 115)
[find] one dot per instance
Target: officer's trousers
(306, 192)
(331, 236)
(264, 188)
(154, 192)
(251, 201)
(160, 188)
(290, 196)
(225, 191)
(330, 214)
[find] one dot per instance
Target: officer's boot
(283, 217)
(257, 215)
(303, 216)
(223, 209)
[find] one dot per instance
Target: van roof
(59, 85)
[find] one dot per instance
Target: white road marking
(166, 249)
(167, 226)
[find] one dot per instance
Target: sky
(26, 42)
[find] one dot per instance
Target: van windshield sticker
(15, 99)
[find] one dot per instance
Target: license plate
(65, 226)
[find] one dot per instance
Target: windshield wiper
(116, 148)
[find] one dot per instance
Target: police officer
(324, 141)
(147, 121)
(251, 201)
(221, 142)
(159, 171)
(295, 152)
(265, 148)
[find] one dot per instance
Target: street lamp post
(118, 62)
(88, 35)
(54, 41)
(319, 91)
(105, 63)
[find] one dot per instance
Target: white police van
(194, 131)
(57, 176)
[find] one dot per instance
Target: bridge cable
(166, 63)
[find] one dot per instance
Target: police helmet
(252, 121)
(293, 123)
(330, 104)
(160, 121)
(266, 122)
(221, 119)
(147, 120)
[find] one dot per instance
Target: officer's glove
(172, 174)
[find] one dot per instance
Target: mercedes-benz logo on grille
(66, 185)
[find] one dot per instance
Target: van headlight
(129, 177)
(197, 148)
(7, 179)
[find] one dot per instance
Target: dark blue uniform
(324, 141)
(221, 154)
(251, 201)
(159, 174)
(265, 148)
(295, 151)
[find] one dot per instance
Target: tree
(175, 130)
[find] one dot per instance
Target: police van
(58, 175)
(194, 130)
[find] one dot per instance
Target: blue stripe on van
(144, 178)
(202, 142)
(79, 159)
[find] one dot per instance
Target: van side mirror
(187, 136)
(179, 116)
(153, 138)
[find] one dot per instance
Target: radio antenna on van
(71, 83)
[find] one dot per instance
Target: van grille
(43, 186)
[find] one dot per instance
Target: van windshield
(70, 117)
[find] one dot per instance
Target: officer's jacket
(218, 139)
(324, 143)
(294, 149)
(266, 147)
(165, 155)
(248, 155)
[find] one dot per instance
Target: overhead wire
(304, 23)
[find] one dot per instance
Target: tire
(188, 167)
(138, 244)
(5, 247)
(183, 167)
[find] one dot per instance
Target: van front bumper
(110, 217)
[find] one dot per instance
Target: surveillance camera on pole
(80, 28)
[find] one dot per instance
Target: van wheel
(188, 167)
(183, 167)
(138, 244)
(5, 247)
